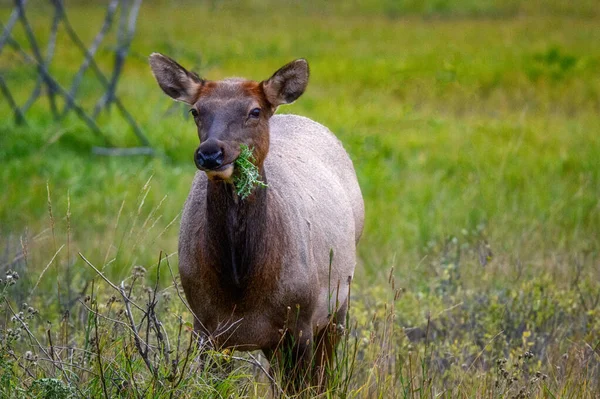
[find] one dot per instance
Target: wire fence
(46, 85)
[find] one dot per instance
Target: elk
(271, 271)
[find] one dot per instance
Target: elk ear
(175, 80)
(287, 84)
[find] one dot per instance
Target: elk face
(230, 112)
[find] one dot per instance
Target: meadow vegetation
(474, 127)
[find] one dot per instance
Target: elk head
(230, 112)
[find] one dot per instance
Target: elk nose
(209, 156)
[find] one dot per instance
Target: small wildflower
(139, 271)
(11, 277)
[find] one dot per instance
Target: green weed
(246, 177)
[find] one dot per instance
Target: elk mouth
(223, 172)
(226, 158)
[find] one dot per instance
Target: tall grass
(133, 338)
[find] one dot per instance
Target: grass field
(474, 128)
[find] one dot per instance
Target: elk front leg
(325, 343)
(293, 358)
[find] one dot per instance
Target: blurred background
(474, 127)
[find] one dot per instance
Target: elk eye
(194, 112)
(255, 113)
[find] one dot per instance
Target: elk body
(256, 271)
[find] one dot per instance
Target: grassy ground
(474, 128)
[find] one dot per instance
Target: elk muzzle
(209, 156)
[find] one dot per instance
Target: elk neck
(240, 235)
